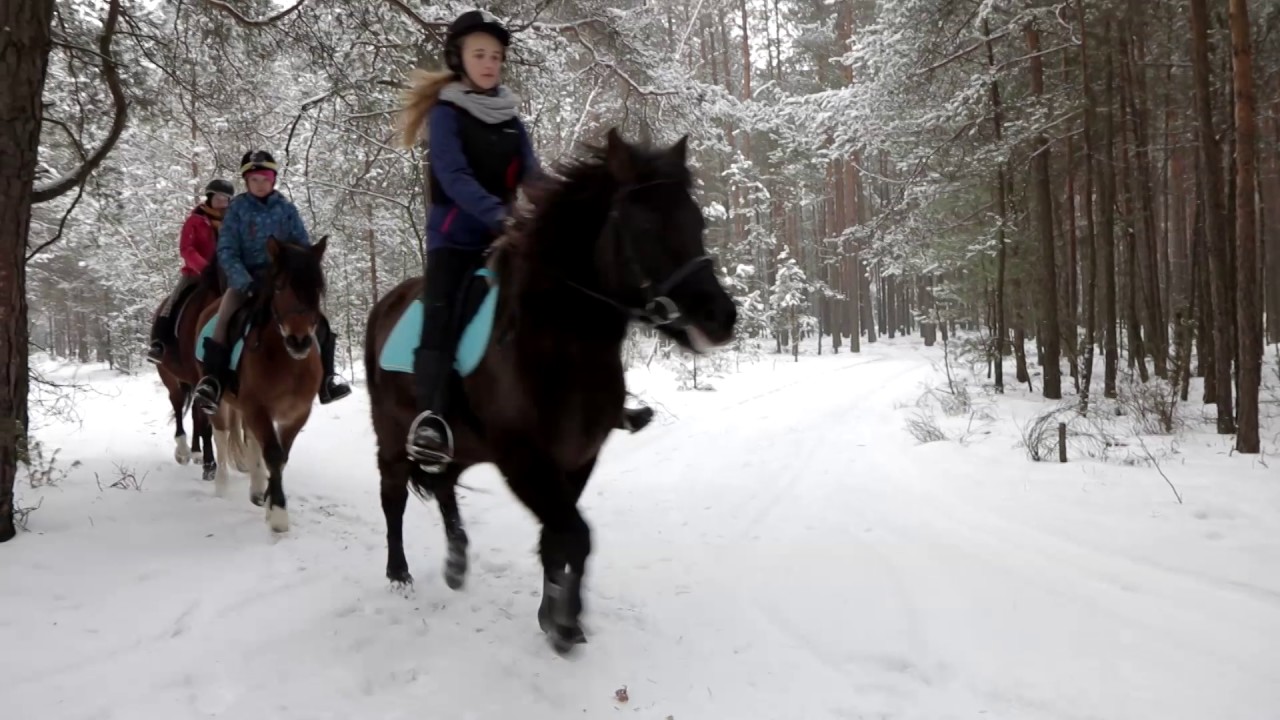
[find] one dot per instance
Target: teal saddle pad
(397, 352)
(207, 331)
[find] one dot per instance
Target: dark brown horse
(618, 238)
(277, 377)
(180, 372)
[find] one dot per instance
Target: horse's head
(651, 255)
(296, 287)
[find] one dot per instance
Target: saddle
(180, 304)
(476, 308)
(242, 322)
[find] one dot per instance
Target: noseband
(658, 308)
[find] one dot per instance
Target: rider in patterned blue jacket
(479, 153)
(251, 218)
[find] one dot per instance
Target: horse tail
(422, 94)
(237, 446)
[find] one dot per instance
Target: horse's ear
(680, 151)
(619, 159)
(273, 247)
(319, 248)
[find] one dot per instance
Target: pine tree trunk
(1215, 216)
(1147, 252)
(1091, 275)
(1106, 246)
(1049, 328)
(24, 54)
(1248, 305)
(1271, 211)
(1000, 339)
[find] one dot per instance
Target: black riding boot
(331, 388)
(217, 365)
(634, 419)
(430, 441)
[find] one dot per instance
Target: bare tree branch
(61, 225)
(433, 27)
(248, 22)
(111, 72)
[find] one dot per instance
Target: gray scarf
(487, 108)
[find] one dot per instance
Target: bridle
(658, 308)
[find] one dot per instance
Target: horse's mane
(304, 271)
(572, 202)
(306, 276)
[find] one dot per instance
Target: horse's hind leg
(178, 399)
(202, 428)
(551, 494)
(444, 487)
(221, 423)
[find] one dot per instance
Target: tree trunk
(24, 55)
(1271, 211)
(1107, 246)
(997, 350)
(1248, 305)
(1091, 274)
(1049, 329)
(1215, 220)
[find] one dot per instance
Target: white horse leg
(257, 470)
(181, 450)
(221, 486)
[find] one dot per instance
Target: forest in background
(1075, 178)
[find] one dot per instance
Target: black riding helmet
(219, 185)
(470, 22)
(257, 160)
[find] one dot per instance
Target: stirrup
(201, 395)
(432, 461)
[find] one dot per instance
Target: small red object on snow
(621, 694)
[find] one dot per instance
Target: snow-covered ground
(778, 548)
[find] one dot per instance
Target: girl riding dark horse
(619, 238)
(480, 154)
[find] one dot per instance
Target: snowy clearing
(780, 547)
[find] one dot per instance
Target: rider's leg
(634, 419)
(217, 356)
(430, 439)
(330, 388)
(162, 326)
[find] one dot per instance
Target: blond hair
(421, 95)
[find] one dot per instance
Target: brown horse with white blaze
(180, 371)
(277, 377)
(618, 238)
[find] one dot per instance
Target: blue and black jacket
(242, 241)
(475, 168)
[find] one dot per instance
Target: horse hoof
(181, 453)
(278, 519)
(400, 579)
(564, 638)
(258, 500)
(455, 569)
(210, 472)
(454, 579)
